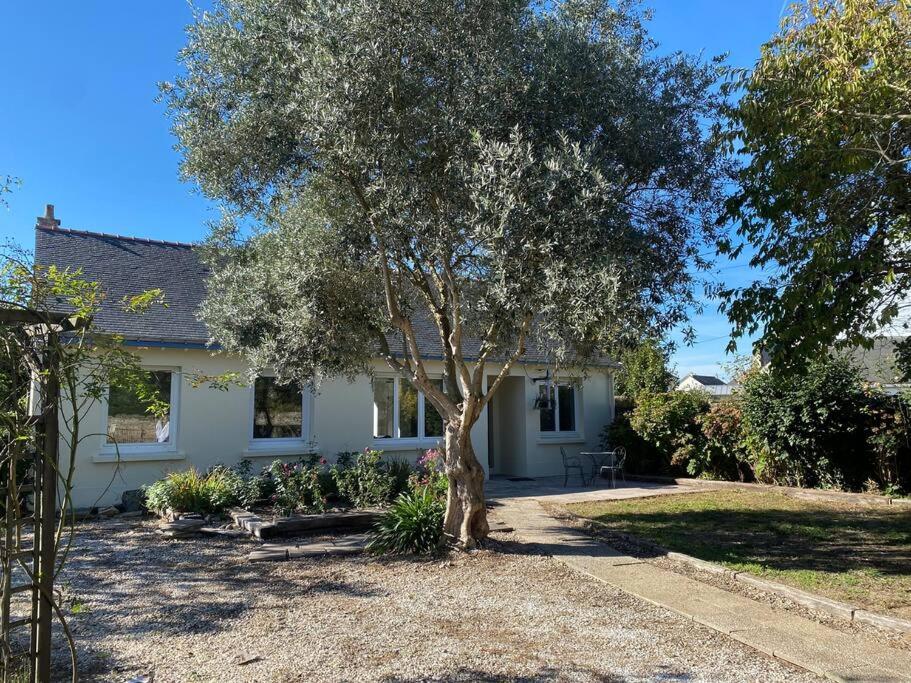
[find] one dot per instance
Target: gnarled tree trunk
(465, 524)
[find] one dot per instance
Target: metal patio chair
(614, 464)
(571, 462)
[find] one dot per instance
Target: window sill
(406, 444)
(560, 437)
(276, 450)
(139, 456)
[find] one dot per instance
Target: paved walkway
(802, 642)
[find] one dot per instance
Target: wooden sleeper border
(328, 522)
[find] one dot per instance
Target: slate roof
(127, 266)
(708, 380)
(877, 365)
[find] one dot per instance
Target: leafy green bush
(414, 524)
(641, 456)
(667, 422)
(191, 491)
(807, 430)
(889, 441)
(821, 428)
(297, 488)
(643, 370)
(400, 472)
(723, 454)
(246, 489)
(366, 483)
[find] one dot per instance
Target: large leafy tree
(644, 369)
(511, 173)
(825, 121)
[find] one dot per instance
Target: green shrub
(366, 482)
(641, 456)
(191, 491)
(246, 488)
(667, 422)
(807, 430)
(643, 370)
(413, 525)
(889, 441)
(297, 488)
(400, 472)
(723, 454)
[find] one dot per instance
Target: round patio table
(599, 459)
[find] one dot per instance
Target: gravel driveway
(194, 610)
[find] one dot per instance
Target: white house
(713, 386)
(265, 421)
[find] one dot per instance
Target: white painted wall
(213, 426)
(595, 410)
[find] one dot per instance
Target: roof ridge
(92, 233)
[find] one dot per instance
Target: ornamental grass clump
(412, 526)
(192, 491)
(414, 523)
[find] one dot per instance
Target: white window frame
(291, 445)
(557, 434)
(396, 441)
(111, 452)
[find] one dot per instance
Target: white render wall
(213, 426)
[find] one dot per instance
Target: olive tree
(508, 172)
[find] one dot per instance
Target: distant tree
(644, 370)
(825, 123)
(506, 170)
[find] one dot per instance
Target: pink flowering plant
(430, 474)
(296, 488)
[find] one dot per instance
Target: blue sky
(80, 127)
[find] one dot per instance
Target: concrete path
(802, 642)
(551, 490)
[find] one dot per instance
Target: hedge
(822, 428)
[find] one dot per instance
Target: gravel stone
(193, 609)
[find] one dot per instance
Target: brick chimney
(48, 220)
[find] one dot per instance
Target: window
(278, 411)
(560, 413)
(401, 412)
(131, 424)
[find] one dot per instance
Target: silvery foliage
(507, 162)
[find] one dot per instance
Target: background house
(877, 364)
(715, 387)
(264, 420)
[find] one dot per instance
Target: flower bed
(311, 495)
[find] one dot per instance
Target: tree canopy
(512, 172)
(644, 370)
(824, 120)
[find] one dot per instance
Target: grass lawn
(859, 554)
